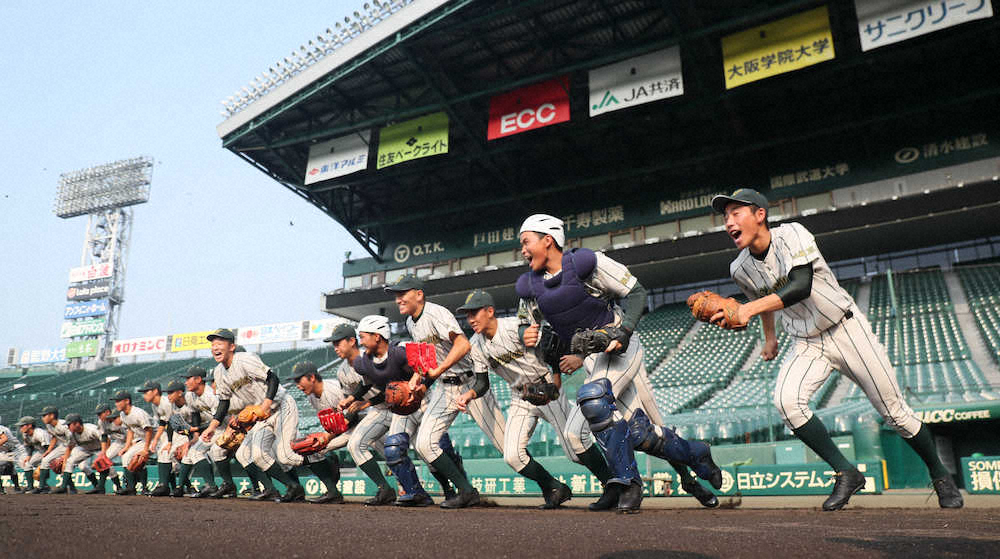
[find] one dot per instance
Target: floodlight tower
(105, 194)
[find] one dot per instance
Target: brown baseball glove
(37, 473)
(311, 443)
(56, 465)
(180, 451)
(101, 463)
(706, 304)
(230, 439)
(400, 399)
(251, 414)
(137, 462)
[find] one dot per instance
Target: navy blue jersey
(379, 375)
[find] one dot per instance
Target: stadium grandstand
(398, 126)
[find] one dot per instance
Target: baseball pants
(441, 413)
(115, 448)
(522, 418)
(271, 440)
(851, 348)
(367, 435)
(80, 456)
(46, 460)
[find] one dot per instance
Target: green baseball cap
(745, 196)
(477, 300)
(101, 408)
(50, 409)
(224, 333)
(150, 385)
(121, 395)
(174, 386)
(74, 418)
(405, 282)
(27, 420)
(195, 371)
(341, 332)
(303, 368)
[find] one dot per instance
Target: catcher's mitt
(400, 399)
(539, 393)
(230, 439)
(137, 462)
(333, 421)
(252, 414)
(179, 425)
(310, 444)
(101, 463)
(706, 304)
(56, 465)
(597, 340)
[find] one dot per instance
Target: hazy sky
(86, 83)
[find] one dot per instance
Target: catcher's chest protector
(381, 374)
(563, 299)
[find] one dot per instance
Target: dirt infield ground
(77, 526)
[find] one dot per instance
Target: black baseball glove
(540, 393)
(585, 342)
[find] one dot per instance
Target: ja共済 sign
(643, 79)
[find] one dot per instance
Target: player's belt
(848, 314)
(459, 378)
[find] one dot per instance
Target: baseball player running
(584, 290)
(113, 431)
(11, 452)
(324, 394)
(535, 393)
(57, 445)
(431, 323)
(36, 441)
(201, 396)
(782, 270)
(138, 441)
(163, 409)
(187, 448)
(379, 365)
(83, 445)
(273, 412)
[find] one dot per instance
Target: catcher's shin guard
(694, 454)
(396, 447)
(597, 404)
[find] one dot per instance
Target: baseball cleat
(269, 495)
(698, 491)
(948, 494)
(332, 497)
(160, 491)
(225, 490)
(40, 490)
(385, 496)
(630, 498)
(556, 497)
(418, 500)
(177, 492)
(125, 492)
(848, 483)
(295, 493)
(205, 493)
(59, 490)
(96, 491)
(609, 499)
(462, 500)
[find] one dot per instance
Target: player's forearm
(459, 348)
(633, 305)
(767, 320)
(768, 303)
(148, 440)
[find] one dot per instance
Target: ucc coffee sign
(534, 106)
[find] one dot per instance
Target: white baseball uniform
(114, 430)
(60, 432)
(206, 404)
(435, 325)
(196, 406)
(626, 371)
(829, 332)
(12, 450)
(506, 355)
(161, 418)
(137, 421)
(83, 446)
(331, 397)
(269, 440)
(367, 435)
(37, 443)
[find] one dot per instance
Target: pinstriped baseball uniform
(828, 329)
(114, 430)
(435, 326)
(332, 395)
(37, 443)
(506, 355)
(60, 432)
(367, 435)
(84, 446)
(610, 281)
(161, 417)
(136, 421)
(206, 404)
(12, 450)
(268, 440)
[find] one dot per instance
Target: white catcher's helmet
(375, 324)
(546, 225)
